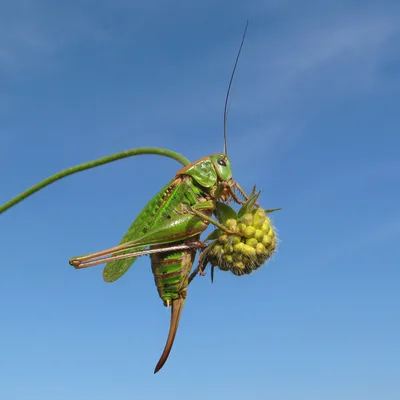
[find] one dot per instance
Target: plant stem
(93, 164)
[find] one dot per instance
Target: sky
(313, 122)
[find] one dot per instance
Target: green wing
(162, 204)
(115, 269)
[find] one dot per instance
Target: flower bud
(259, 234)
(252, 242)
(242, 254)
(267, 241)
(242, 227)
(259, 218)
(223, 239)
(248, 250)
(228, 248)
(248, 219)
(231, 224)
(260, 249)
(249, 231)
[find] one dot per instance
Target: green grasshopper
(170, 225)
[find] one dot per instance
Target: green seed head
(244, 253)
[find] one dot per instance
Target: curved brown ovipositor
(176, 311)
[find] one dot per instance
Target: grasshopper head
(223, 169)
(209, 171)
(222, 166)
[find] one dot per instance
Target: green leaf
(271, 210)
(224, 212)
(248, 206)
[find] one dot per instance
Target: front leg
(198, 270)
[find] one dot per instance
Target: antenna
(229, 87)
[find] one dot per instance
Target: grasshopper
(172, 223)
(169, 227)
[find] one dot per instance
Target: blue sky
(313, 121)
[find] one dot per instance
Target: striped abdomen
(171, 272)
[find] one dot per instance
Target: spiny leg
(201, 266)
(78, 264)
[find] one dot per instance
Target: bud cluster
(251, 243)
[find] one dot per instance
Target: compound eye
(222, 162)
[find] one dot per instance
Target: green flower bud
(248, 219)
(266, 226)
(259, 234)
(237, 257)
(217, 248)
(271, 233)
(259, 218)
(260, 249)
(237, 248)
(242, 227)
(228, 258)
(248, 250)
(235, 240)
(223, 239)
(267, 241)
(251, 242)
(249, 231)
(238, 265)
(232, 224)
(228, 248)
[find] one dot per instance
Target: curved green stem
(93, 164)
